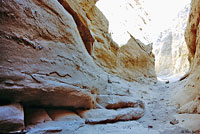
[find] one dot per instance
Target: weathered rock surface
(11, 118)
(118, 108)
(135, 61)
(48, 64)
(34, 116)
(105, 51)
(189, 121)
(62, 114)
(129, 127)
(171, 49)
(43, 63)
(116, 102)
(59, 54)
(98, 116)
(60, 127)
(188, 95)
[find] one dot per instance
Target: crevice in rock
(82, 26)
(20, 40)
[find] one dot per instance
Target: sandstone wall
(104, 50)
(188, 96)
(43, 52)
(59, 54)
(43, 55)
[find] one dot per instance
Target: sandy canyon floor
(159, 117)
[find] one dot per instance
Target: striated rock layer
(43, 56)
(188, 97)
(44, 60)
(59, 54)
(105, 51)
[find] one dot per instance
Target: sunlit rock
(188, 95)
(170, 49)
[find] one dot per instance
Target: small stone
(109, 81)
(167, 82)
(173, 122)
(150, 126)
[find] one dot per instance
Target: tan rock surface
(116, 102)
(41, 61)
(188, 95)
(105, 50)
(60, 54)
(134, 61)
(11, 118)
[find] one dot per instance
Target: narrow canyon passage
(66, 68)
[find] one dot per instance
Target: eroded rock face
(135, 61)
(34, 116)
(43, 63)
(105, 52)
(60, 54)
(99, 116)
(11, 118)
(170, 48)
(188, 96)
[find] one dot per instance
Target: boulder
(98, 116)
(135, 61)
(11, 118)
(117, 102)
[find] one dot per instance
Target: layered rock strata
(59, 55)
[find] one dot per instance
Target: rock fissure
(82, 26)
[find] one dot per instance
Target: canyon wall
(170, 48)
(59, 54)
(188, 96)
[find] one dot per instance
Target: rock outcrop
(135, 61)
(171, 49)
(42, 63)
(188, 96)
(106, 52)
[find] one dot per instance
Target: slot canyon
(98, 67)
